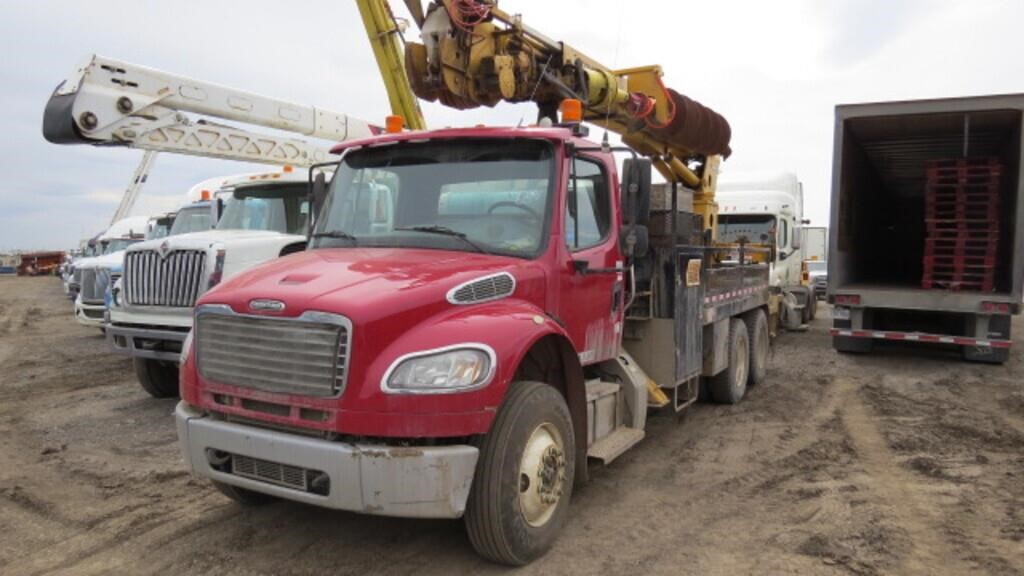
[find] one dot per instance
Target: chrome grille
(306, 356)
(94, 285)
(483, 289)
(174, 281)
(272, 472)
(87, 283)
(76, 276)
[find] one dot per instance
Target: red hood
(367, 284)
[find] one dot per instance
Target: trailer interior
(881, 228)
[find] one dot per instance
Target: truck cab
(767, 210)
(261, 217)
(452, 342)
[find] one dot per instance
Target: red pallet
(964, 166)
(962, 198)
(960, 261)
(964, 213)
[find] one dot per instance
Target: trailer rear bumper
(411, 482)
(922, 337)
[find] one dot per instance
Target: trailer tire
(730, 385)
(241, 495)
(851, 345)
(508, 521)
(760, 345)
(158, 377)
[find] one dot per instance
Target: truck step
(615, 444)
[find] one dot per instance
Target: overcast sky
(774, 69)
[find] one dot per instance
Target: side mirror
(318, 194)
(636, 191)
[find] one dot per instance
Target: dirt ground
(903, 462)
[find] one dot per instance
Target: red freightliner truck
(478, 312)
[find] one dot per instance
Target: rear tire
(243, 496)
(760, 345)
(157, 377)
(730, 385)
(812, 307)
(524, 477)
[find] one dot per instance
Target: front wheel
(157, 377)
(524, 478)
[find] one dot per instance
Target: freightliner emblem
(266, 305)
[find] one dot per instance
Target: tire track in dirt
(891, 483)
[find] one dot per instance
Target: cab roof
(553, 134)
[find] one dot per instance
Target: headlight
(453, 369)
(115, 292)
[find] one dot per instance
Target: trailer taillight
(847, 300)
(995, 307)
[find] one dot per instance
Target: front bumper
(145, 342)
(409, 482)
(91, 315)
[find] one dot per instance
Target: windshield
(117, 244)
(756, 229)
(469, 195)
(192, 219)
(817, 266)
(159, 229)
(281, 208)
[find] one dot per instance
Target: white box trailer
(884, 234)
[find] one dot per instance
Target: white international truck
(93, 273)
(768, 210)
(106, 101)
(264, 216)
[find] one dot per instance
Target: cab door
(591, 294)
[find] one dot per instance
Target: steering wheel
(523, 207)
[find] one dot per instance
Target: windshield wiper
(444, 231)
(340, 234)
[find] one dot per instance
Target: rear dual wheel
(730, 385)
(524, 477)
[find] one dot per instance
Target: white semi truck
(264, 216)
(768, 210)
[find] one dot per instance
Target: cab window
(588, 213)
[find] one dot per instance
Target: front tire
(730, 385)
(157, 377)
(524, 477)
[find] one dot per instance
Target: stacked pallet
(962, 218)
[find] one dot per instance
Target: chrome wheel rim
(541, 475)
